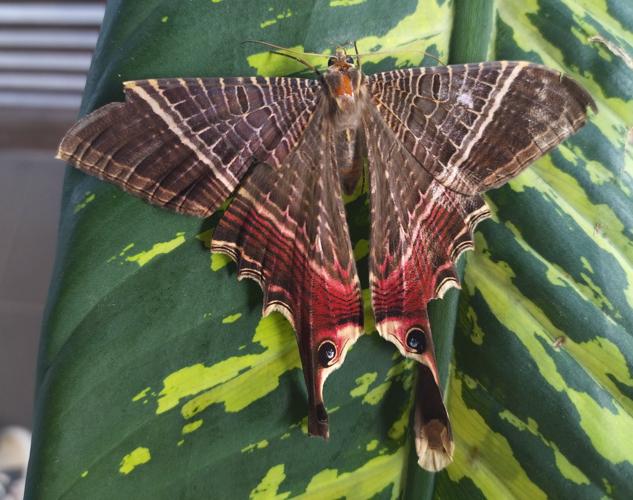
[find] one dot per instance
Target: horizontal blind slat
(62, 14)
(44, 81)
(48, 39)
(45, 52)
(39, 100)
(45, 61)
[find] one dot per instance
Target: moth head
(343, 79)
(340, 60)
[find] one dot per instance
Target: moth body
(346, 97)
(346, 91)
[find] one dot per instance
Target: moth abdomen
(349, 151)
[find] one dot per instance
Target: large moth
(432, 139)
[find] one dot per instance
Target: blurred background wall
(45, 51)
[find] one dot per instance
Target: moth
(432, 139)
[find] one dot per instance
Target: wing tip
(68, 147)
(579, 93)
(318, 422)
(434, 445)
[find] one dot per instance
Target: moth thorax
(348, 116)
(343, 83)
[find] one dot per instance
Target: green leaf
(157, 374)
(541, 388)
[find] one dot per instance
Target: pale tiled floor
(30, 193)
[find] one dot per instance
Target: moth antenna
(292, 54)
(436, 59)
(279, 47)
(383, 52)
(357, 55)
(312, 67)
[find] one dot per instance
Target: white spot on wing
(465, 100)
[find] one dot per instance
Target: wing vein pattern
(185, 143)
(286, 229)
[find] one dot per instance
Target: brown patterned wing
(419, 228)
(474, 126)
(286, 229)
(185, 143)
(437, 138)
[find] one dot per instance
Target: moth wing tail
(434, 445)
(431, 426)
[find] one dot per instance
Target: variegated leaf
(152, 380)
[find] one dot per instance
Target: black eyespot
(349, 60)
(331, 61)
(327, 353)
(416, 340)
